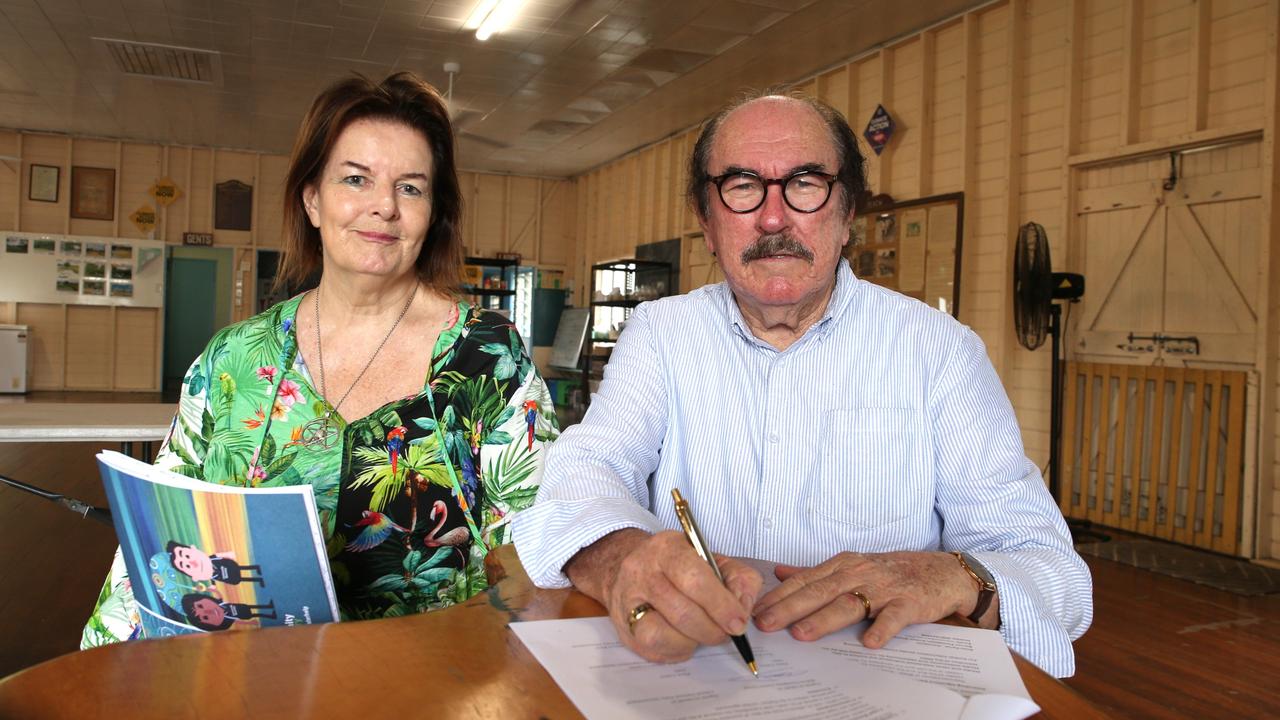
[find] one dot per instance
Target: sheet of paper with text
(932, 671)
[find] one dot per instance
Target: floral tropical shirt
(411, 497)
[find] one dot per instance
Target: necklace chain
(320, 351)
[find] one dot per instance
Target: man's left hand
(903, 588)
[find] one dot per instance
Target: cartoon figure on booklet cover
(208, 613)
(221, 567)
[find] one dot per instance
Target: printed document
(930, 672)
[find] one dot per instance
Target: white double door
(1179, 263)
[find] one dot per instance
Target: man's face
(193, 562)
(774, 137)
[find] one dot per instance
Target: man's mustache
(776, 244)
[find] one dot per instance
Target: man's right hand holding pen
(630, 568)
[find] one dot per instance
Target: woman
(355, 386)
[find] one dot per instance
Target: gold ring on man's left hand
(636, 613)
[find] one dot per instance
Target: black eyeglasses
(805, 191)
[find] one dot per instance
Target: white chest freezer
(15, 358)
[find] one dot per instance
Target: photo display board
(80, 270)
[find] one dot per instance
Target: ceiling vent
(166, 62)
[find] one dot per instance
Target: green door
(190, 303)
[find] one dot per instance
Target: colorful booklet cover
(204, 557)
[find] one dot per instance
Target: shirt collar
(846, 287)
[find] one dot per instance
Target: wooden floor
(1159, 647)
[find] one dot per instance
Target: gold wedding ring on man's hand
(636, 613)
(866, 604)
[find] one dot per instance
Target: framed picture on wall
(93, 193)
(232, 206)
(42, 183)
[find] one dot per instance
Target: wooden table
(125, 423)
(462, 662)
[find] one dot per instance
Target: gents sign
(191, 238)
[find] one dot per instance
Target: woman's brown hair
(402, 98)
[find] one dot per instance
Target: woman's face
(372, 200)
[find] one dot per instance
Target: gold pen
(700, 546)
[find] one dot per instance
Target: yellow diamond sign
(165, 191)
(144, 218)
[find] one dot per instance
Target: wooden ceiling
(569, 85)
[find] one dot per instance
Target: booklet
(204, 557)
(930, 672)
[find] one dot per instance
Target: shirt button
(766, 523)
(773, 437)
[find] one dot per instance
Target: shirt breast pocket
(873, 469)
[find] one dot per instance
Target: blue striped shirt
(884, 427)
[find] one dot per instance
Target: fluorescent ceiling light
(492, 16)
(480, 13)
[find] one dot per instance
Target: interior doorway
(268, 292)
(190, 314)
(198, 292)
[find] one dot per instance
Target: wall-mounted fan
(1035, 313)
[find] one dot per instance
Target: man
(811, 419)
(203, 567)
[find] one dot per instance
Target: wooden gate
(1155, 450)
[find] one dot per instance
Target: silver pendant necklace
(323, 431)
